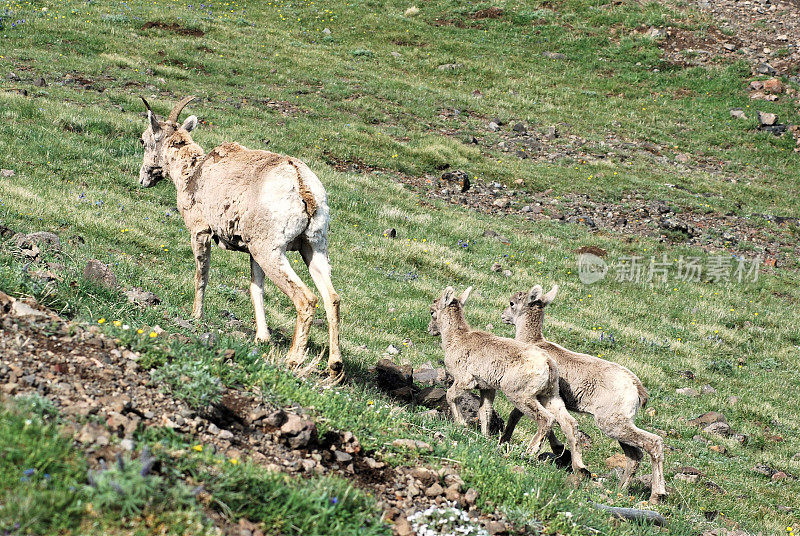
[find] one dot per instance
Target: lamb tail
(643, 396)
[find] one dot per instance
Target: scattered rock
(738, 113)
(496, 267)
(721, 429)
(40, 82)
(707, 390)
(390, 233)
(767, 119)
(412, 444)
(553, 55)
(502, 202)
(494, 127)
(298, 432)
(326, 31)
(617, 460)
(7, 173)
(496, 527)
(434, 491)
(676, 225)
(100, 273)
(778, 476)
(13, 77)
(773, 85)
(392, 350)
(765, 68)
(450, 66)
(141, 297)
(764, 469)
(459, 177)
(708, 418)
(390, 376)
(519, 128)
(687, 391)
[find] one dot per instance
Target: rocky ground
(104, 396)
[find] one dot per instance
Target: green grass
(343, 96)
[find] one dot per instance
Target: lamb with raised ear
(481, 360)
(256, 202)
(607, 390)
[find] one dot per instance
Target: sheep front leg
(201, 246)
(453, 393)
(485, 411)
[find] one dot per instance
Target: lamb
(255, 202)
(527, 376)
(588, 384)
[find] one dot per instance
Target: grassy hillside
(371, 94)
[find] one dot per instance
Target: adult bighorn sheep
(255, 202)
(481, 360)
(588, 384)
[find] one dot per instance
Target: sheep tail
(642, 391)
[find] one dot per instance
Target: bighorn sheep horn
(146, 104)
(173, 115)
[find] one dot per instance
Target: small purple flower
(28, 472)
(334, 500)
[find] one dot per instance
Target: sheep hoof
(656, 498)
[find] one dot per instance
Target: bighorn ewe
(255, 202)
(607, 390)
(480, 360)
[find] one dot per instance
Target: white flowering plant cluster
(447, 521)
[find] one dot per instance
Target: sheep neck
(454, 326)
(529, 326)
(183, 158)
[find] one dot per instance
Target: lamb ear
(533, 296)
(448, 296)
(190, 123)
(464, 295)
(547, 298)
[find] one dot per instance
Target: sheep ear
(464, 295)
(449, 296)
(190, 123)
(550, 296)
(154, 124)
(533, 296)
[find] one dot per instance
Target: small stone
(403, 528)
(684, 477)
(411, 444)
(496, 267)
(13, 77)
(733, 400)
(396, 54)
(372, 463)
(127, 444)
(390, 233)
(40, 82)
(507, 273)
(552, 133)
(452, 493)
(520, 128)
(765, 68)
(773, 85)
(342, 457)
(7, 173)
(764, 469)
(141, 297)
(392, 350)
(738, 113)
(449, 66)
(471, 496)
(721, 429)
(100, 273)
(553, 55)
(502, 202)
(780, 475)
(708, 418)
(326, 31)
(707, 390)
(687, 391)
(434, 491)
(766, 118)
(494, 127)
(718, 448)
(496, 527)
(729, 46)
(683, 158)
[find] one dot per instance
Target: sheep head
(154, 137)
(533, 301)
(447, 303)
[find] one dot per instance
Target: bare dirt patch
(173, 27)
(488, 13)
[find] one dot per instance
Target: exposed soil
(173, 27)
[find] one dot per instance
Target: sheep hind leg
(623, 430)
(277, 268)
(320, 269)
(570, 427)
(634, 456)
(533, 409)
(453, 393)
(257, 296)
(513, 419)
